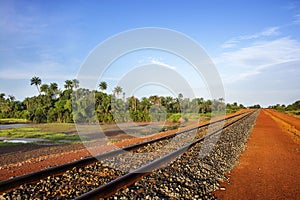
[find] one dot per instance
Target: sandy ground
(269, 167)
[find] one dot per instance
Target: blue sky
(255, 45)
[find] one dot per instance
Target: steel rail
(126, 180)
(14, 182)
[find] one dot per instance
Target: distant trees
(9, 108)
(230, 108)
(293, 108)
(82, 105)
(257, 106)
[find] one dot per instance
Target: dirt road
(269, 167)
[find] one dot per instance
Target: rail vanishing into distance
(111, 185)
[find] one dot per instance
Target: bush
(175, 118)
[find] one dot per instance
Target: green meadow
(54, 132)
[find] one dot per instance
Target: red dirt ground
(269, 167)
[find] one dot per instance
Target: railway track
(106, 174)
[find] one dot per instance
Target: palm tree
(11, 97)
(53, 89)
(44, 88)
(36, 81)
(68, 84)
(145, 104)
(103, 86)
(168, 101)
(118, 90)
(75, 83)
(133, 103)
(180, 96)
(2, 95)
(155, 99)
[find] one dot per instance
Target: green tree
(68, 85)
(103, 86)
(11, 98)
(53, 89)
(154, 99)
(36, 81)
(118, 90)
(44, 88)
(2, 95)
(75, 83)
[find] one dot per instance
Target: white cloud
(157, 62)
(271, 31)
(252, 60)
(230, 43)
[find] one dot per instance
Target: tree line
(73, 103)
(293, 108)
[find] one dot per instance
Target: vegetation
(103, 86)
(231, 108)
(255, 106)
(13, 121)
(4, 144)
(36, 81)
(293, 108)
(82, 105)
(36, 132)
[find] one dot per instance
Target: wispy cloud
(271, 31)
(296, 20)
(252, 60)
(157, 62)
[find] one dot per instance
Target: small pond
(24, 140)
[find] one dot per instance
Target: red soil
(269, 167)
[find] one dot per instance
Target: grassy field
(56, 127)
(58, 132)
(53, 132)
(5, 144)
(13, 121)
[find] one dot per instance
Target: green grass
(36, 132)
(13, 121)
(57, 127)
(5, 144)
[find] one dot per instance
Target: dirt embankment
(269, 167)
